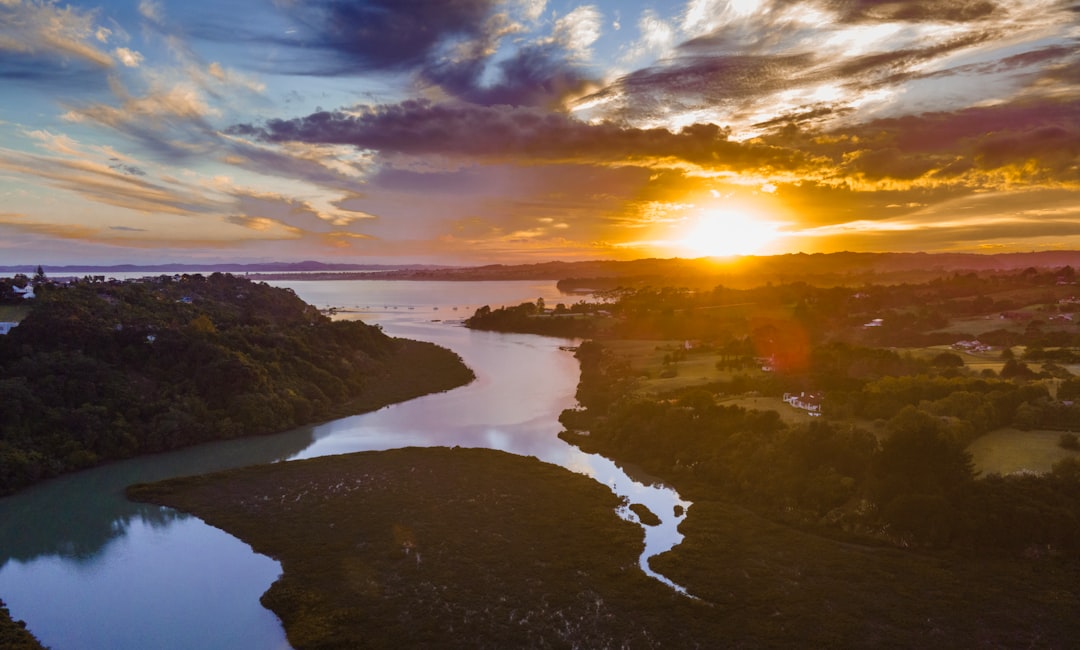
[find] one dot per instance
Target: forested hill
(101, 371)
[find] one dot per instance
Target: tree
(947, 360)
(920, 458)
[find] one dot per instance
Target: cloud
(171, 118)
(129, 58)
(43, 29)
(1032, 143)
(60, 231)
(508, 133)
(152, 11)
(455, 47)
(577, 31)
(132, 170)
(914, 10)
(382, 35)
(996, 220)
(741, 63)
(101, 183)
(532, 9)
(658, 37)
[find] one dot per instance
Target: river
(85, 568)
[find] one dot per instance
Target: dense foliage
(440, 548)
(533, 318)
(1030, 307)
(915, 486)
(468, 548)
(100, 371)
(13, 634)
(910, 479)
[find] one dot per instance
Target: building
(809, 402)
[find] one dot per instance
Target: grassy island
(440, 548)
(98, 371)
(444, 548)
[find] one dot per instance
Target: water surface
(88, 569)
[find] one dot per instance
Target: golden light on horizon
(726, 233)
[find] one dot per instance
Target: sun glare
(724, 233)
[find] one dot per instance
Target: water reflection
(77, 515)
(88, 569)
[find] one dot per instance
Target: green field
(647, 359)
(787, 412)
(13, 313)
(1010, 450)
(973, 361)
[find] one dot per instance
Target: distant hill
(819, 268)
(182, 267)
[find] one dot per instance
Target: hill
(821, 269)
(101, 371)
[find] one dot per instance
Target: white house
(809, 402)
(26, 292)
(5, 326)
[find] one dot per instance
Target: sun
(726, 233)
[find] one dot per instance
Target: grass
(781, 587)
(1010, 450)
(974, 361)
(439, 548)
(646, 357)
(434, 548)
(787, 412)
(13, 313)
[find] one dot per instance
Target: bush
(1069, 441)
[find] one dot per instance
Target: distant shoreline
(820, 267)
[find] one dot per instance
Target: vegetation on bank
(916, 486)
(440, 548)
(888, 459)
(13, 634)
(1032, 308)
(99, 371)
(466, 548)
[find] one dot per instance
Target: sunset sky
(478, 131)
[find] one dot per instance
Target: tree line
(101, 371)
(913, 485)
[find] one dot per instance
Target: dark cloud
(444, 43)
(1048, 126)
(1030, 143)
(389, 35)
(124, 168)
(913, 10)
(536, 75)
(514, 134)
(706, 76)
(717, 77)
(892, 66)
(127, 229)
